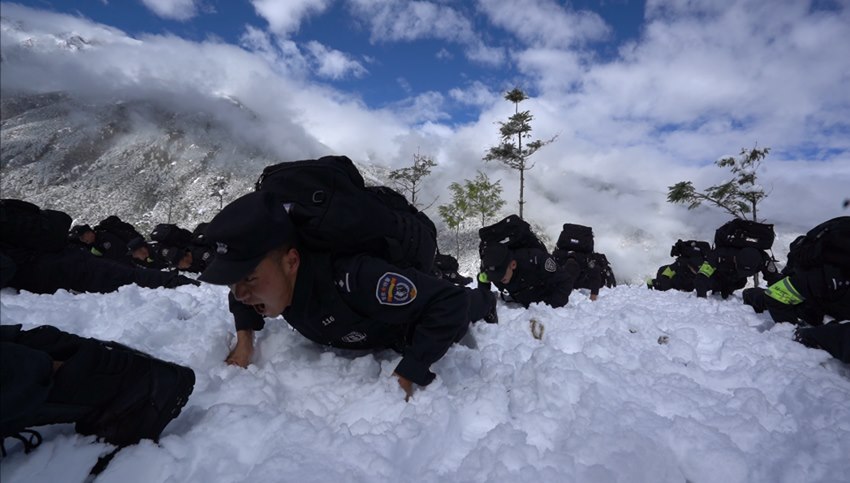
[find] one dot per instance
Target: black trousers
(74, 269)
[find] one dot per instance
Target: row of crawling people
(40, 253)
(515, 260)
(169, 246)
(813, 285)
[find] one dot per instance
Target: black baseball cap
(135, 244)
(78, 231)
(495, 260)
(243, 233)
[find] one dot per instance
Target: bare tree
(218, 187)
(409, 179)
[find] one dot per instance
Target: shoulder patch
(395, 289)
(550, 265)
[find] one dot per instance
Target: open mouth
(260, 308)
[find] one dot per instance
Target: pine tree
(739, 196)
(511, 151)
(456, 213)
(408, 179)
(484, 198)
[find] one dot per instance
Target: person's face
(141, 253)
(270, 287)
(87, 237)
(509, 273)
(185, 262)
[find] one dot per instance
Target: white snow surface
(729, 397)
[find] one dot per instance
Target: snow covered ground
(640, 386)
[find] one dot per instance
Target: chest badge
(395, 289)
(550, 265)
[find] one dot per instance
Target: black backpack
(334, 211)
(24, 225)
(690, 249)
(740, 233)
(827, 243)
(118, 227)
(512, 231)
(576, 238)
(171, 235)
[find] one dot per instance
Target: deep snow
(602, 397)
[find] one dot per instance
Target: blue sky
(392, 69)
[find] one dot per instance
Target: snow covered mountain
(134, 159)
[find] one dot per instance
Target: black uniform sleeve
(435, 311)
(245, 317)
(664, 278)
(594, 275)
(833, 338)
(800, 296)
(561, 284)
(769, 272)
(703, 279)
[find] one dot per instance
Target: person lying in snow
(347, 301)
(106, 389)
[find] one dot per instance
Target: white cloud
(282, 54)
(173, 9)
(545, 23)
(401, 20)
(484, 54)
(332, 63)
(476, 94)
(406, 21)
(285, 16)
(423, 108)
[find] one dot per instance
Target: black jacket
(590, 270)
(805, 295)
(538, 277)
(679, 275)
(362, 302)
(719, 272)
(110, 246)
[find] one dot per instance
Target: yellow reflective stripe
(783, 292)
(96, 252)
(668, 272)
(706, 269)
(483, 278)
